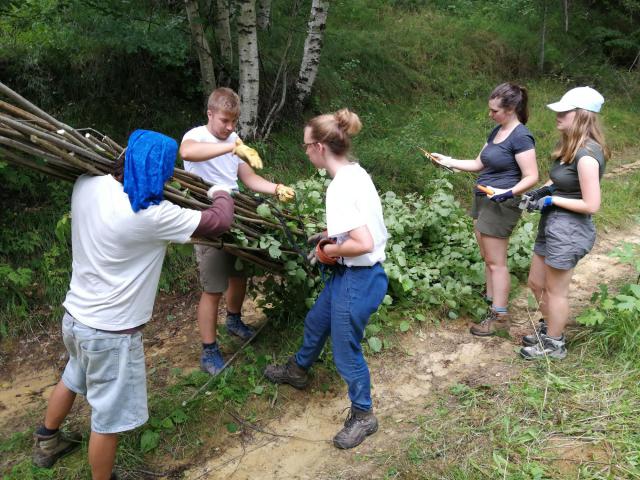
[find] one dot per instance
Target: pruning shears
(434, 160)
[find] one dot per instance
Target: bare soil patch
(296, 442)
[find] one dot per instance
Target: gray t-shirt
(501, 169)
(565, 175)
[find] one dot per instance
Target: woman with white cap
(566, 232)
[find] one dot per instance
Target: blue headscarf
(149, 162)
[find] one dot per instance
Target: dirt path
(298, 443)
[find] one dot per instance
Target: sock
(555, 338)
(500, 310)
(42, 430)
(234, 317)
(210, 346)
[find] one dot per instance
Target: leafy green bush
(614, 321)
(432, 261)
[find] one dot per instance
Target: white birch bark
(264, 14)
(223, 30)
(205, 59)
(249, 67)
(312, 49)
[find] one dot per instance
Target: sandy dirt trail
(297, 443)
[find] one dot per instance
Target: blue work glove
(499, 195)
(541, 204)
(502, 196)
(541, 192)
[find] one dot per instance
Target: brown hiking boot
(493, 323)
(289, 372)
(358, 426)
(47, 449)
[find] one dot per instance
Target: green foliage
(518, 430)
(432, 256)
(614, 320)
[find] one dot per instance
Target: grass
(415, 80)
(574, 419)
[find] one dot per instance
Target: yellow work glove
(285, 193)
(247, 154)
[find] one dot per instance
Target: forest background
(417, 72)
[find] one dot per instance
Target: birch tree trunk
(223, 31)
(264, 14)
(205, 59)
(312, 49)
(249, 68)
(566, 16)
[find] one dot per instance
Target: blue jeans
(342, 310)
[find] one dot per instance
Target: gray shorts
(216, 266)
(564, 237)
(495, 219)
(108, 369)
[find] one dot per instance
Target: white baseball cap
(581, 97)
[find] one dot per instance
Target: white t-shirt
(352, 201)
(221, 170)
(118, 254)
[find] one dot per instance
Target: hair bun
(348, 121)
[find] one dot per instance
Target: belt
(126, 331)
(356, 267)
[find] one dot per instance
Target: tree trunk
(202, 46)
(249, 68)
(543, 35)
(264, 14)
(223, 31)
(566, 16)
(312, 50)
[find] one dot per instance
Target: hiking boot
(492, 323)
(549, 347)
(238, 328)
(289, 372)
(358, 426)
(211, 360)
(541, 329)
(47, 449)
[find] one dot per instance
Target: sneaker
(47, 449)
(549, 347)
(541, 329)
(238, 328)
(358, 426)
(492, 323)
(289, 372)
(211, 360)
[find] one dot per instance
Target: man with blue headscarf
(120, 231)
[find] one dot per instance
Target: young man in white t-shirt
(215, 153)
(120, 231)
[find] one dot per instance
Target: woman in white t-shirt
(353, 245)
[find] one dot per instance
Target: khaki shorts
(495, 219)
(564, 237)
(216, 266)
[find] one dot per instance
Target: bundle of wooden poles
(30, 137)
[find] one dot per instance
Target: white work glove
(219, 188)
(443, 160)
